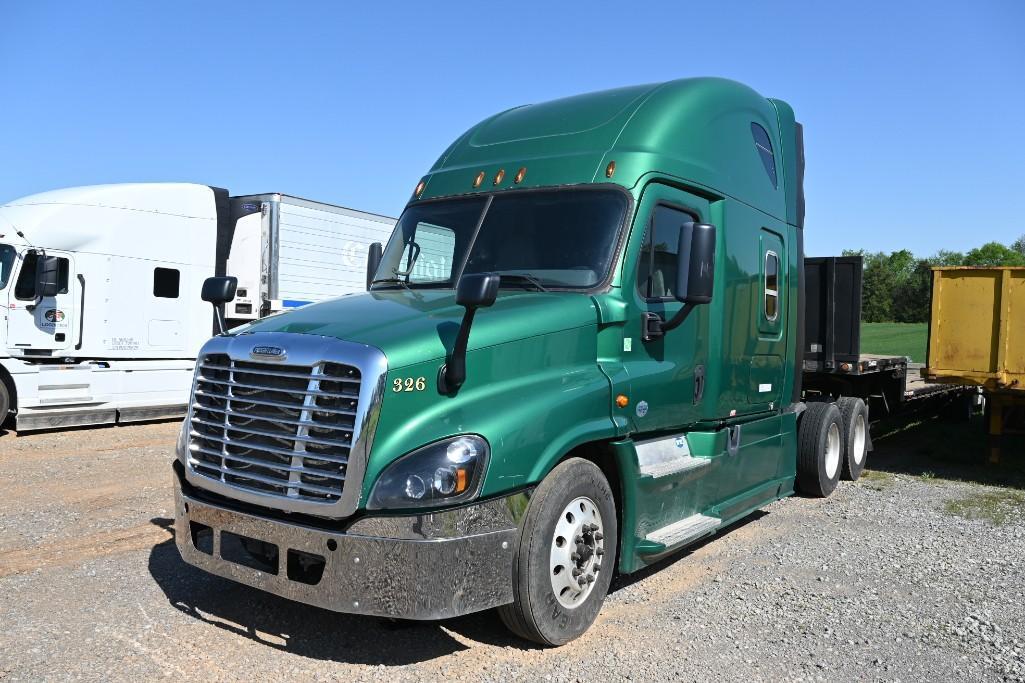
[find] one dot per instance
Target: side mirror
(474, 291)
(374, 255)
(219, 291)
(47, 276)
(478, 290)
(695, 276)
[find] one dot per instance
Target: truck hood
(421, 325)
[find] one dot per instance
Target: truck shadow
(309, 631)
(321, 634)
(945, 449)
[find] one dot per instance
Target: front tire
(854, 414)
(819, 449)
(566, 555)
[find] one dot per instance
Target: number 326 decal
(400, 384)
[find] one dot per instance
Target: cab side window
(25, 287)
(659, 260)
(771, 285)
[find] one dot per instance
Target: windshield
(563, 239)
(7, 254)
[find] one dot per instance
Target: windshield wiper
(523, 277)
(391, 281)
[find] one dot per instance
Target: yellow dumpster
(977, 337)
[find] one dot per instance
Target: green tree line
(897, 286)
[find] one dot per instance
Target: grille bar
(274, 435)
(270, 481)
(290, 375)
(274, 466)
(280, 430)
(277, 390)
(246, 415)
(272, 404)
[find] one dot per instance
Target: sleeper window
(165, 283)
(771, 285)
(764, 146)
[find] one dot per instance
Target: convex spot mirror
(695, 276)
(47, 276)
(219, 290)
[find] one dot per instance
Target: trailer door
(46, 324)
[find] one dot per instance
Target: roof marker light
(420, 188)
(610, 169)
(479, 179)
(519, 175)
(499, 176)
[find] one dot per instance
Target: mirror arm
(219, 314)
(453, 373)
(678, 319)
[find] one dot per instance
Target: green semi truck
(578, 353)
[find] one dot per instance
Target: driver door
(46, 324)
(666, 372)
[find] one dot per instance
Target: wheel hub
(578, 546)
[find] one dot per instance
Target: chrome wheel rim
(578, 546)
(832, 450)
(860, 439)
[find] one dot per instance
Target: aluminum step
(664, 469)
(686, 530)
(666, 455)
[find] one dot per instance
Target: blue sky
(914, 112)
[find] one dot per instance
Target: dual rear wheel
(832, 442)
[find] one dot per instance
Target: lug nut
(598, 536)
(599, 551)
(581, 581)
(590, 578)
(596, 568)
(575, 557)
(578, 539)
(577, 572)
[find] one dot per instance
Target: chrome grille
(273, 428)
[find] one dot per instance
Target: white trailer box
(288, 252)
(117, 342)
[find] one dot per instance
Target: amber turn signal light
(610, 169)
(479, 179)
(622, 401)
(420, 188)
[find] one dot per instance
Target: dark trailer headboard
(832, 311)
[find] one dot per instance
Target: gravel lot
(905, 575)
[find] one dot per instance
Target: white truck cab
(114, 337)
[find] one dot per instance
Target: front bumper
(430, 566)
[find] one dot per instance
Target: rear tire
(854, 414)
(819, 449)
(549, 606)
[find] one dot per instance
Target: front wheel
(566, 555)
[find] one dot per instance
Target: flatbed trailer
(833, 364)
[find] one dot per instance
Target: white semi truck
(99, 289)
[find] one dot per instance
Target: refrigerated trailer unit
(116, 336)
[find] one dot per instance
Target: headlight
(445, 472)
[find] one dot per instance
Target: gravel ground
(896, 577)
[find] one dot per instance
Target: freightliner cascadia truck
(579, 353)
(99, 289)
